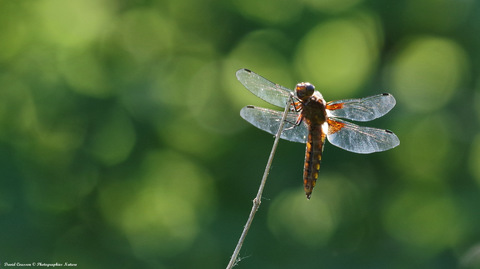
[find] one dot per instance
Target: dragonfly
(311, 120)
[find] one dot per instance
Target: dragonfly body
(312, 120)
(312, 110)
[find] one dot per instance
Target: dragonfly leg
(296, 123)
(297, 106)
(299, 120)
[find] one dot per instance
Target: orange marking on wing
(334, 126)
(334, 106)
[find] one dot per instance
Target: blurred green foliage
(121, 144)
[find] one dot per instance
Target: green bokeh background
(121, 144)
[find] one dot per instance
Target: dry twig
(258, 198)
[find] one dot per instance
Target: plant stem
(258, 198)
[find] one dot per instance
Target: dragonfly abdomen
(313, 157)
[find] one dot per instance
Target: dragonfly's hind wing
(360, 139)
(269, 120)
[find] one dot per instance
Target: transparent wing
(360, 139)
(269, 120)
(268, 91)
(363, 109)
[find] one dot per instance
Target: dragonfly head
(304, 90)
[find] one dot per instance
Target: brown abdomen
(313, 157)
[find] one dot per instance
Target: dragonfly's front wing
(269, 121)
(265, 89)
(362, 109)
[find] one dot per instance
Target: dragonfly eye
(304, 89)
(310, 88)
